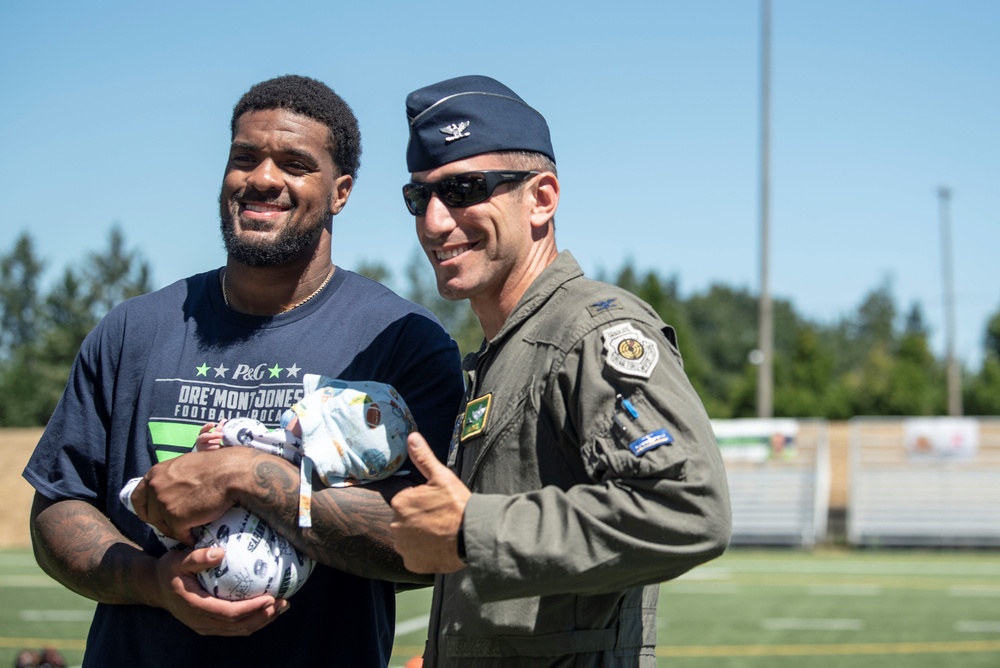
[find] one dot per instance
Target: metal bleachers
(780, 491)
(924, 482)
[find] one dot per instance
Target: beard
(290, 244)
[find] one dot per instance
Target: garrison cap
(466, 116)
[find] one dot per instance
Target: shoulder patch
(629, 352)
(599, 307)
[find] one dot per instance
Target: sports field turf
(749, 609)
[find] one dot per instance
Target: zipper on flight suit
(474, 375)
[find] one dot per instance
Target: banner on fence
(756, 440)
(941, 438)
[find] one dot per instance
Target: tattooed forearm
(77, 545)
(350, 529)
(276, 487)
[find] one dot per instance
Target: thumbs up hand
(427, 517)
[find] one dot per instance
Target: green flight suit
(583, 500)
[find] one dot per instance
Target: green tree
(375, 271)
(982, 393)
(724, 321)
(871, 362)
(43, 335)
(664, 296)
(20, 271)
(991, 339)
(871, 327)
(114, 275)
(725, 324)
(917, 382)
(457, 316)
(70, 313)
(19, 300)
(897, 374)
(805, 381)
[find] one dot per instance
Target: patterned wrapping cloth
(353, 432)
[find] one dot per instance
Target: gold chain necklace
(329, 275)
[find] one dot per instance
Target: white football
(258, 560)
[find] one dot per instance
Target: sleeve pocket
(633, 441)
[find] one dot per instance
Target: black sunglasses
(459, 190)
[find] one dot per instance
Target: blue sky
(118, 113)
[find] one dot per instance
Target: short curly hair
(316, 100)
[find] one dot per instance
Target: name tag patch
(477, 412)
(629, 352)
(650, 441)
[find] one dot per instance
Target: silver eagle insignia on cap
(456, 130)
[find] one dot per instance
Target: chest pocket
(499, 458)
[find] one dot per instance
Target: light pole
(765, 315)
(954, 375)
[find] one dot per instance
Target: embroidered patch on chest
(477, 412)
(629, 352)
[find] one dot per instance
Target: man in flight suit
(583, 470)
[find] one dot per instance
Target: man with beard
(231, 342)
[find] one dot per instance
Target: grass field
(749, 609)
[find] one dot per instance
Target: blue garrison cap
(466, 116)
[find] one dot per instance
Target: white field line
(701, 588)
(974, 590)
(56, 615)
(27, 581)
(411, 625)
(17, 559)
(969, 626)
(844, 590)
(797, 624)
(707, 573)
(823, 567)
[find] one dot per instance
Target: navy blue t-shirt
(159, 366)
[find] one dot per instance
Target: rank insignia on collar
(476, 414)
(604, 305)
(455, 131)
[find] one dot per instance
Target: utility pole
(765, 314)
(954, 375)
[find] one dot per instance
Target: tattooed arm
(79, 547)
(350, 529)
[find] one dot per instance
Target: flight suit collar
(563, 269)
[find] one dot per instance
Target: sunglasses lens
(464, 190)
(416, 195)
(459, 190)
